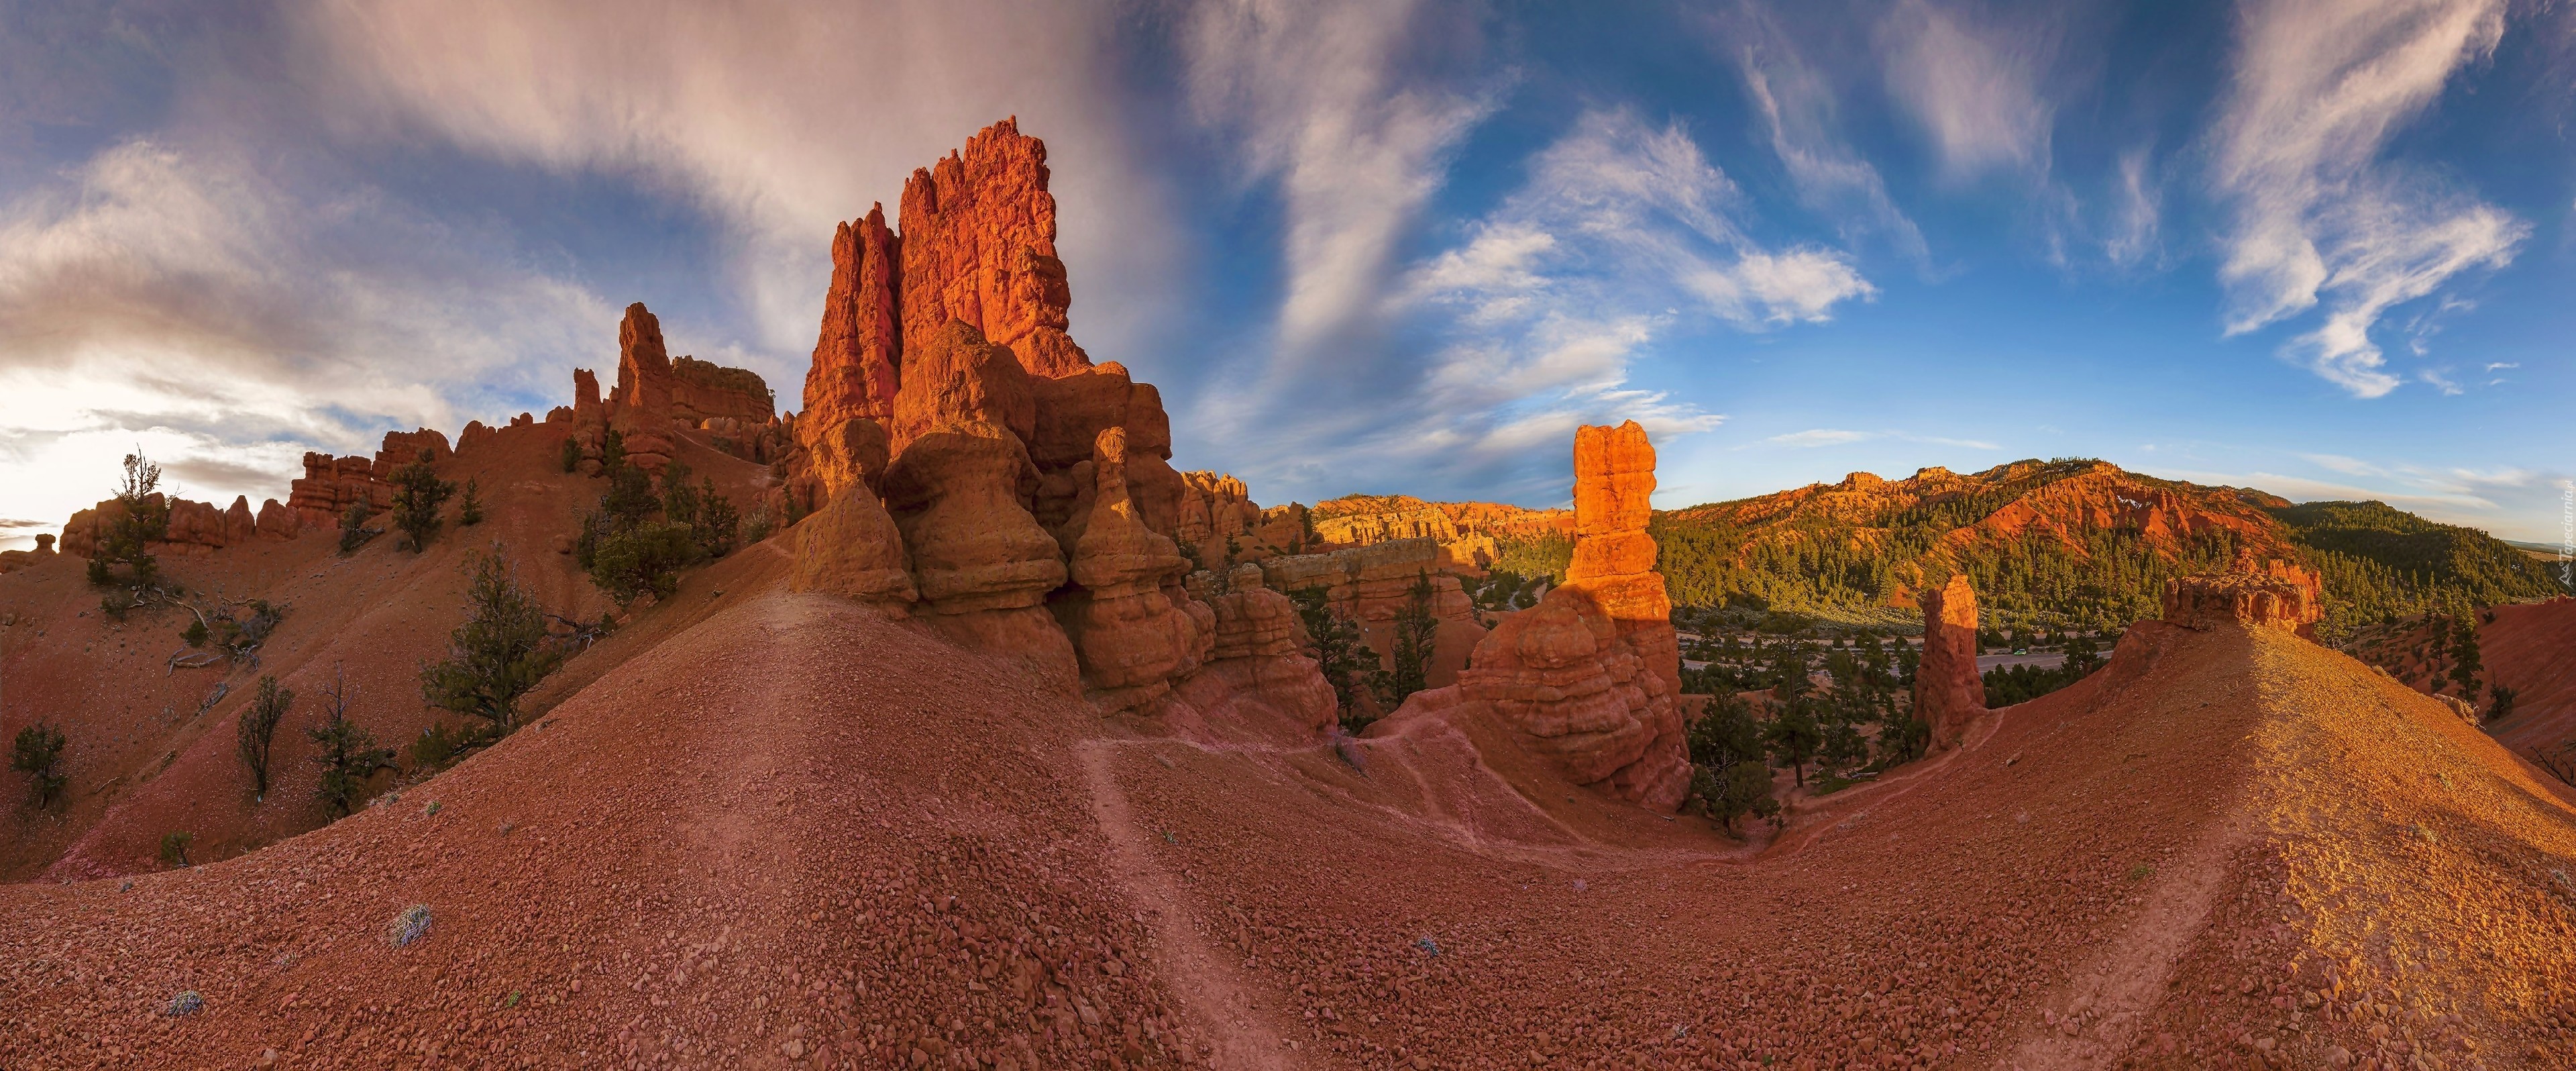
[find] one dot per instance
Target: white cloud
(2138, 213)
(1326, 99)
(1797, 108)
(2317, 90)
(194, 305)
(1972, 88)
(779, 118)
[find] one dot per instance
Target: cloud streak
(2317, 91)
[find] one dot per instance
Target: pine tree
(497, 655)
(349, 754)
(418, 493)
(1416, 635)
(38, 752)
(142, 517)
(470, 512)
(257, 728)
(2465, 665)
(1343, 657)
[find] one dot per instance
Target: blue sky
(2321, 247)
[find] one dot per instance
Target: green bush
(1345, 659)
(497, 655)
(1731, 792)
(174, 848)
(418, 494)
(470, 512)
(354, 532)
(571, 454)
(143, 516)
(38, 752)
(349, 754)
(643, 560)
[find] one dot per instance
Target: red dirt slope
(740, 845)
(147, 755)
(2532, 650)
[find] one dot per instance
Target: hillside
(732, 848)
(2072, 542)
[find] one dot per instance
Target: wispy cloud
(1329, 99)
(778, 118)
(1972, 87)
(2317, 91)
(1798, 110)
(225, 319)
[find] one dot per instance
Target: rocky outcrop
(1468, 532)
(1614, 558)
(2266, 594)
(330, 484)
(855, 374)
(1563, 676)
(1219, 519)
(1257, 667)
(959, 488)
(1590, 677)
(194, 527)
(1948, 693)
(1371, 584)
(979, 246)
(404, 447)
(852, 548)
(656, 393)
(278, 521)
(1132, 634)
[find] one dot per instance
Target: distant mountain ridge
(2064, 542)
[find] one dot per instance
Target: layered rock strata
(1219, 519)
(1948, 693)
(979, 246)
(2264, 594)
(1132, 633)
(1590, 677)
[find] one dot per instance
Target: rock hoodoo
(1948, 693)
(1219, 518)
(2267, 594)
(1133, 637)
(979, 246)
(1589, 678)
(853, 377)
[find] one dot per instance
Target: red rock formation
(1257, 667)
(852, 548)
(1563, 675)
(959, 488)
(979, 246)
(194, 527)
(404, 447)
(278, 521)
(1948, 693)
(2268, 594)
(1614, 558)
(330, 485)
(1133, 638)
(1072, 410)
(1220, 519)
(476, 433)
(857, 354)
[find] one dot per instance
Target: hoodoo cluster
(971, 466)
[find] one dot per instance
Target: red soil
(748, 830)
(2532, 650)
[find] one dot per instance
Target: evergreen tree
(470, 512)
(257, 729)
(38, 752)
(497, 655)
(1340, 653)
(2465, 665)
(142, 517)
(349, 754)
(353, 526)
(418, 493)
(1793, 738)
(1416, 634)
(719, 525)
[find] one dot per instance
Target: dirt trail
(1198, 976)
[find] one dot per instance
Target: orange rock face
(655, 392)
(856, 356)
(1133, 638)
(1561, 674)
(979, 246)
(1948, 693)
(2267, 594)
(852, 548)
(1218, 517)
(1614, 558)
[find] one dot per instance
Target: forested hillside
(2066, 543)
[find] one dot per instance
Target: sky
(2326, 248)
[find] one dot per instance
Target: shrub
(470, 512)
(353, 527)
(174, 848)
(258, 729)
(38, 752)
(499, 652)
(187, 1003)
(679, 499)
(612, 452)
(756, 526)
(410, 926)
(349, 754)
(1416, 635)
(571, 454)
(1726, 734)
(418, 493)
(645, 559)
(719, 525)
(630, 500)
(1731, 792)
(1339, 652)
(2502, 707)
(143, 516)
(194, 635)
